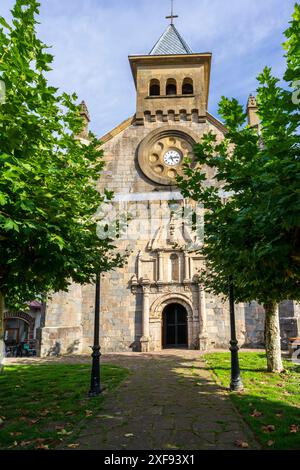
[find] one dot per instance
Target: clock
(172, 157)
(162, 153)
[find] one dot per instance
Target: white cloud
(92, 38)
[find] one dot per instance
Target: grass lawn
(270, 403)
(42, 406)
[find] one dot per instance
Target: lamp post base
(95, 393)
(96, 388)
(236, 384)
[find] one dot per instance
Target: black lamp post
(96, 388)
(236, 383)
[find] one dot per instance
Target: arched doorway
(16, 331)
(19, 334)
(175, 327)
(21, 324)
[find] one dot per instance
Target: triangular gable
(171, 42)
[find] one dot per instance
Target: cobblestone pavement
(169, 401)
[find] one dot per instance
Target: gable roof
(121, 127)
(216, 122)
(171, 42)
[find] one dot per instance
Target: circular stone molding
(159, 304)
(154, 147)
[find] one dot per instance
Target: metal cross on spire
(172, 16)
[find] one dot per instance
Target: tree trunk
(2, 349)
(272, 332)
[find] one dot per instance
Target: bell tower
(172, 82)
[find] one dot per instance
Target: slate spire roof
(171, 42)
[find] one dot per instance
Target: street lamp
(96, 388)
(236, 383)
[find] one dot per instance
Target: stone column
(190, 332)
(146, 316)
(191, 268)
(139, 265)
(186, 268)
(203, 336)
(160, 266)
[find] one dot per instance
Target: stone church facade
(156, 301)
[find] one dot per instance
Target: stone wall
(63, 340)
(289, 315)
(289, 321)
(120, 311)
(62, 331)
(254, 325)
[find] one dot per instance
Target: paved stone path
(169, 401)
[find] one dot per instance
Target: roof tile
(170, 43)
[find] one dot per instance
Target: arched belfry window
(154, 88)
(187, 86)
(171, 88)
(174, 267)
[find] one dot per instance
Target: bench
(294, 344)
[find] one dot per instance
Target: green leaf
(11, 225)
(3, 199)
(4, 23)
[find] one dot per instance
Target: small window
(171, 88)
(154, 88)
(187, 87)
(174, 267)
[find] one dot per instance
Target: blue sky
(92, 39)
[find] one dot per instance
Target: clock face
(162, 153)
(172, 157)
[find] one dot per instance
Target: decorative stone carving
(134, 284)
(147, 268)
(154, 155)
(173, 235)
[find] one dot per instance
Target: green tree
(252, 229)
(48, 196)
